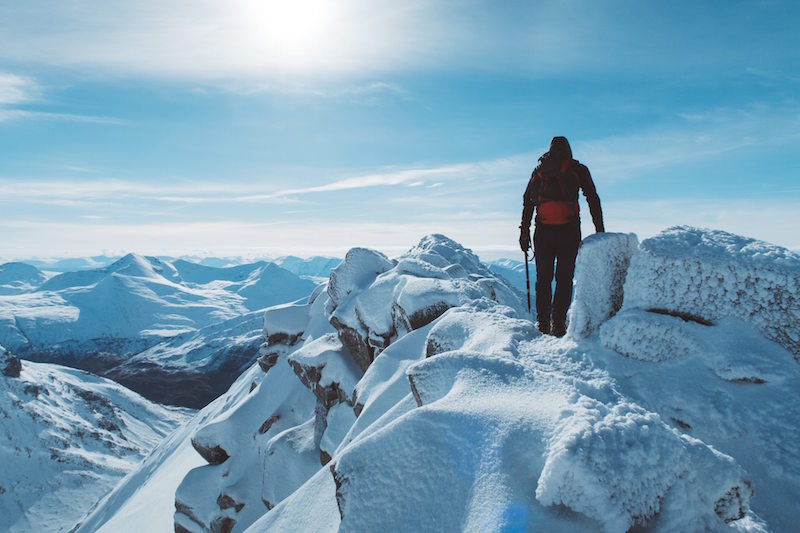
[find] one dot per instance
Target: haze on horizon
(260, 128)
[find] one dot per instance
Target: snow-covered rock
(472, 420)
(66, 438)
(426, 281)
(710, 274)
(600, 271)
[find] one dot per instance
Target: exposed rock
(283, 338)
(423, 317)
(12, 365)
(268, 424)
(215, 455)
(361, 352)
(734, 504)
(323, 367)
(324, 458)
(268, 360)
(339, 481)
(223, 524)
(226, 502)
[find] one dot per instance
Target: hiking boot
(559, 328)
(543, 326)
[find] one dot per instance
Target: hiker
(553, 191)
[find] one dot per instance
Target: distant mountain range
(316, 266)
(145, 321)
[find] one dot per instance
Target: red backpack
(557, 202)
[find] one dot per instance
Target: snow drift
(414, 394)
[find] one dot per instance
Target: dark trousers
(555, 248)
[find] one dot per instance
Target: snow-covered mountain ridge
(144, 321)
(66, 438)
(415, 394)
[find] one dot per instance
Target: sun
(297, 31)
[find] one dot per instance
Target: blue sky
(260, 128)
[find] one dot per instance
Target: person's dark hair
(559, 151)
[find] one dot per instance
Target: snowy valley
(175, 331)
(414, 393)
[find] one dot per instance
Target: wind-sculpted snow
(600, 272)
(707, 275)
(66, 438)
(470, 420)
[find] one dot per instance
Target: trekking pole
(527, 282)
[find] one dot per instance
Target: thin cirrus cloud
(18, 93)
(15, 89)
(205, 39)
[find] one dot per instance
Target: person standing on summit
(553, 192)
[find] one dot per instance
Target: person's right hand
(524, 239)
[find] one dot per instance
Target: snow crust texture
(600, 272)
(358, 418)
(710, 274)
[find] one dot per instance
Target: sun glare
(298, 31)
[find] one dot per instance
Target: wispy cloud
(16, 89)
(7, 115)
(282, 43)
(693, 137)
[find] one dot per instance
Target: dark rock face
(215, 455)
(414, 391)
(363, 354)
(267, 361)
(268, 424)
(339, 481)
(310, 376)
(733, 505)
(324, 457)
(226, 502)
(283, 338)
(12, 366)
(188, 512)
(222, 524)
(423, 317)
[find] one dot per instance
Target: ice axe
(527, 282)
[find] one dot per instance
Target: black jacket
(576, 177)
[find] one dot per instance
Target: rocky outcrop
(358, 270)
(214, 454)
(711, 274)
(376, 301)
(11, 365)
(600, 272)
